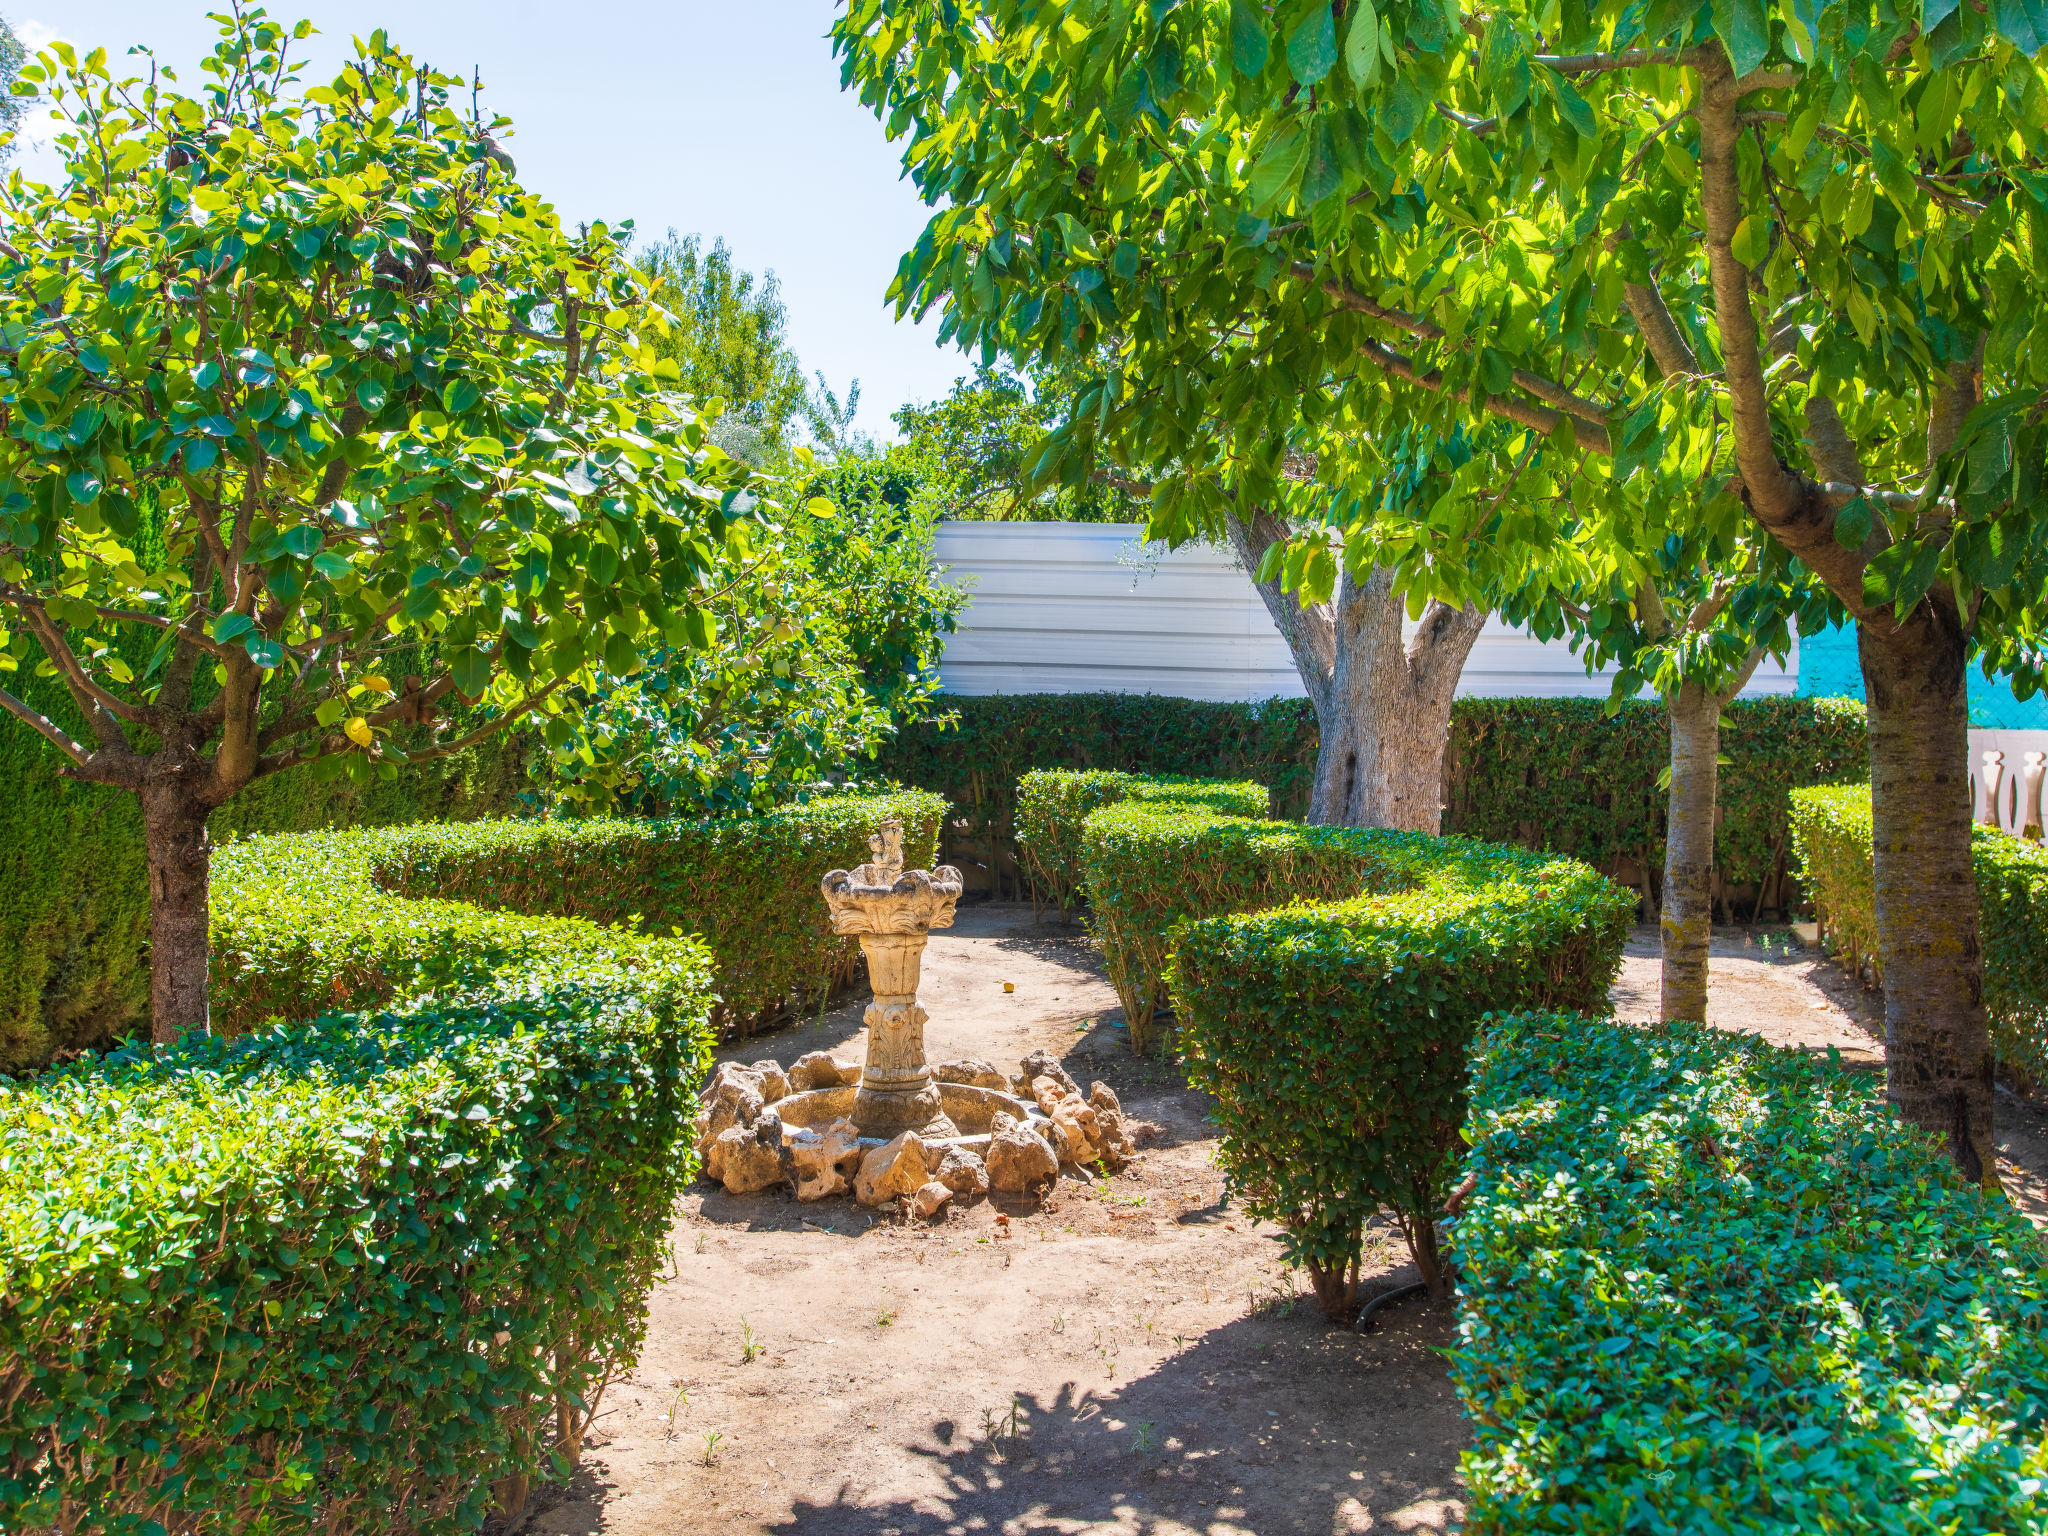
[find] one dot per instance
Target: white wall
(1082, 607)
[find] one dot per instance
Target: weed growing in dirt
(885, 1317)
(702, 1239)
(675, 1410)
(1142, 1443)
(749, 1345)
(712, 1441)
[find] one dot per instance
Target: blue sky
(718, 118)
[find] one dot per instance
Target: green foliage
(1708, 1285)
(328, 399)
(1326, 980)
(343, 1276)
(1564, 775)
(1053, 805)
(358, 918)
(729, 339)
(74, 894)
(1559, 775)
(971, 455)
(1831, 832)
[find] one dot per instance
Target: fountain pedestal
(892, 911)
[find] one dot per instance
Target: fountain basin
(972, 1110)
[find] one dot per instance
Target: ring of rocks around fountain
(759, 1127)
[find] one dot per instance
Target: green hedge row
(367, 1274)
(1326, 981)
(320, 920)
(1708, 1285)
(1832, 833)
(1557, 775)
(1052, 805)
(74, 894)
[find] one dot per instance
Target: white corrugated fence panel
(1089, 607)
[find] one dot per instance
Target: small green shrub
(329, 919)
(346, 1276)
(1332, 1032)
(1708, 1285)
(1832, 834)
(1053, 803)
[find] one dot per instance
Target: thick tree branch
(1311, 633)
(1351, 299)
(1667, 345)
(43, 725)
(1590, 437)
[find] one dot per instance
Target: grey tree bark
(1688, 918)
(1383, 707)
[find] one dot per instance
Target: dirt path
(1129, 1359)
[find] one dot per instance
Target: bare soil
(1128, 1358)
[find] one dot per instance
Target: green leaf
(1249, 48)
(265, 653)
(699, 627)
(1744, 31)
(1852, 523)
(302, 542)
(1752, 243)
(1079, 241)
(2024, 23)
(370, 395)
(459, 396)
(84, 486)
(1312, 45)
(230, 626)
(93, 360)
(1278, 166)
(200, 453)
(1362, 44)
(1402, 109)
(1322, 173)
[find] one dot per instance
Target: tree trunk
(174, 836)
(1938, 1056)
(1688, 922)
(1383, 709)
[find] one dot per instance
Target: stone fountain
(896, 1126)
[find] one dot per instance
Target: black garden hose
(1398, 1293)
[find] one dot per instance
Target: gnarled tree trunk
(174, 839)
(1383, 707)
(1938, 1055)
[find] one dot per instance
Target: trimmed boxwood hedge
(1327, 980)
(1831, 832)
(1710, 1285)
(1052, 804)
(322, 920)
(369, 1273)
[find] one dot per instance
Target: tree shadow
(1274, 1422)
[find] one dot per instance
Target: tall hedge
(367, 1274)
(74, 895)
(1709, 1285)
(359, 918)
(1557, 775)
(1326, 981)
(1832, 836)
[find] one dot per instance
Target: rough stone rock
(972, 1071)
(824, 1162)
(927, 1200)
(1084, 1142)
(1117, 1145)
(1019, 1160)
(818, 1069)
(1048, 1091)
(1002, 1120)
(732, 1102)
(774, 1084)
(750, 1161)
(1042, 1063)
(963, 1172)
(896, 1168)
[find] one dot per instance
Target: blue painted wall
(1828, 669)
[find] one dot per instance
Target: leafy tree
(13, 105)
(729, 338)
(976, 451)
(306, 388)
(1781, 263)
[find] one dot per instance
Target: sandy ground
(1131, 1358)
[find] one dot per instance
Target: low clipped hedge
(358, 918)
(1710, 1285)
(368, 1274)
(1832, 834)
(1327, 981)
(1052, 804)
